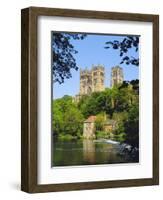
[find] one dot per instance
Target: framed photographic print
(90, 99)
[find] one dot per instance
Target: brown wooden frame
(29, 98)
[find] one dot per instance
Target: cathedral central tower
(92, 80)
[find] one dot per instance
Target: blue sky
(91, 51)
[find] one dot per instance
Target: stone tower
(92, 80)
(116, 76)
(98, 76)
(85, 82)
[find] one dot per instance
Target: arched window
(89, 90)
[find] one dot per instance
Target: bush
(100, 119)
(120, 137)
(79, 135)
(66, 137)
(101, 134)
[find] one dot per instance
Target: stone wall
(89, 130)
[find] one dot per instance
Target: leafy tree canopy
(116, 99)
(123, 47)
(100, 119)
(67, 118)
(131, 126)
(63, 55)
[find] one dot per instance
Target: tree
(120, 116)
(135, 85)
(119, 132)
(73, 121)
(104, 102)
(111, 100)
(131, 126)
(124, 46)
(99, 122)
(89, 105)
(67, 118)
(63, 55)
(57, 118)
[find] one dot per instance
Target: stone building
(116, 76)
(89, 127)
(92, 80)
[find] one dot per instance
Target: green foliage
(127, 129)
(119, 132)
(67, 118)
(120, 104)
(121, 137)
(99, 122)
(111, 100)
(128, 43)
(102, 134)
(120, 116)
(63, 55)
(89, 105)
(131, 126)
(64, 137)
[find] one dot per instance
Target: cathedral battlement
(93, 69)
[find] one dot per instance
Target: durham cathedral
(94, 80)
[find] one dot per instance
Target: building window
(101, 73)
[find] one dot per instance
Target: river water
(87, 152)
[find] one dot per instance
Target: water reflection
(86, 152)
(89, 151)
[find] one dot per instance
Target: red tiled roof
(91, 118)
